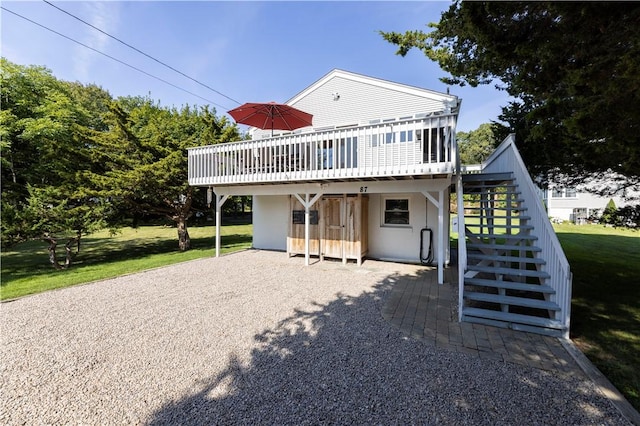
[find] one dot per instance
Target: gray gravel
(257, 338)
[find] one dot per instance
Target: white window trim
(563, 193)
(383, 209)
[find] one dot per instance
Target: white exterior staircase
(509, 275)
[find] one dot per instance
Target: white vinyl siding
(270, 222)
(360, 101)
(403, 242)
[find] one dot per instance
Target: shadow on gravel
(343, 364)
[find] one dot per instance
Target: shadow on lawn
(341, 363)
(101, 251)
(606, 282)
(605, 309)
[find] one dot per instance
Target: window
(298, 217)
(349, 152)
(396, 211)
(556, 193)
(559, 192)
(406, 136)
(389, 137)
(325, 154)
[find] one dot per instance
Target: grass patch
(26, 268)
(605, 309)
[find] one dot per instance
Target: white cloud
(103, 15)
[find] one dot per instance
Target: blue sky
(249, 51)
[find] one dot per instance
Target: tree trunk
(184, 241)
(53, 244)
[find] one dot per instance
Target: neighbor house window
(396, 211)
(560, 192)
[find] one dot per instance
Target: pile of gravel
(257, 338)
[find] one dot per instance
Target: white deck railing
(393, 147)
(506, 158)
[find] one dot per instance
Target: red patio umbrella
(271, 115)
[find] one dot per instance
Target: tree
(145, 154)
(475, 146)
(46, 128)
(573, 69)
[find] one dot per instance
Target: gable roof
(361, 78)
(346, 98)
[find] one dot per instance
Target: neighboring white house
(576, 205)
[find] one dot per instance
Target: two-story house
(373, 176)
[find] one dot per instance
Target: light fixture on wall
(336, 96)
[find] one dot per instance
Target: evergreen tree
(145, 153)
(573, 69)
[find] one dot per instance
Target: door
(333, 229)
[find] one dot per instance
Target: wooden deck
(391, 148)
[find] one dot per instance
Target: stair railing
(506, 158)
(462, 244)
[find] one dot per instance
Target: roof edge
(336, 72)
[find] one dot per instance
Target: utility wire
(109, 56)
(140, 51)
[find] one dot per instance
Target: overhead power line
(141, 52)
(110, 57)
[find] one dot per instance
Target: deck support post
(439, 203)
(441, 237)
(307, 203)
(220, 199)
(307, 230)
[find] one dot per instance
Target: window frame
(385, 210)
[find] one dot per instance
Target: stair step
(490, 185)
(509, 271)
(487, 177)
(500, 258)
(491, 189)
(512, 318)
(514, 326)
(519, 217)
(508, 236)
(504, 200)
(510, 285)
(519, 208)
(502, 247)
(505, 226)
(512, 300)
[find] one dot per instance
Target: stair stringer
(505, 281)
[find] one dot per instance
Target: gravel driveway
(257, 338)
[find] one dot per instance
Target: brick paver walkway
(422, 309)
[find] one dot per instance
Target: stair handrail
(462, 244)
(507, 158)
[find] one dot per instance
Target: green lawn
(605, 320)
(605, 317)
(26, 268)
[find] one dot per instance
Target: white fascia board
(417, 91)
(368, 187)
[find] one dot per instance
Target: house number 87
(363, 189)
